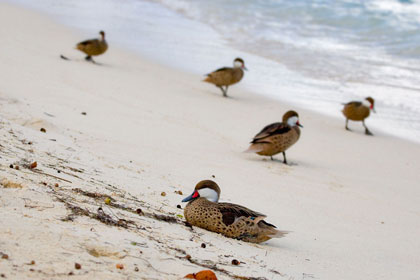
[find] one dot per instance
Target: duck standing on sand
(359, 111)
(277, 137)
(203, 210)
(227, 76)
(93, 47)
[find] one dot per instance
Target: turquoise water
(315, 54)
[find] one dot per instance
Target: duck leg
(347, 125)
(284, 157)
(271, 157)
(225, 92)
(367, 131)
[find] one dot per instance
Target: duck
(359, 111)
(231, 220)
(93, 47)
(227, 76)
(277, 137)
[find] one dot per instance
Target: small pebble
(3, 275)
(136, 269)
(43, 130)
(58, 171)
(139, 211)
(84, 113)
(188, 257)
(11, 166)
(163, 193)
(203, 245)
(29, 143)
(107, 201)
(77, 266)
(33, 165)
(178, 192)
(31, 269)
(32, 262)
(71, 273)
(178, 206)
(17, 167)
(56, 185)
(5, 256)
(213, 176)
(235, 262)
(119, 266)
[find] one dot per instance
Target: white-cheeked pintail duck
(93, 47)
(277, 137)
(203, 210)
(227, 76)
(359, 111)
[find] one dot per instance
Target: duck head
(102, 33)
(291, 118)
(372, 103)
(206, 189)
(239, 63)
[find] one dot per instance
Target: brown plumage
(359, 111)
(229, 219)
(226, 76)
(277, 137)
(93, 47)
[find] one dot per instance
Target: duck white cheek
(237, 64)
(292, 121)
(209, 194)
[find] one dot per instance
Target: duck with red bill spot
(359, 111)
(235, 221)
(277, 137)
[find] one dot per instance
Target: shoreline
(351, 201)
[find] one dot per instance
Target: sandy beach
(121, 133)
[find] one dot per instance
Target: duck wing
(87, 42)
(270, 130)
(354, 103)
(231, 212)
(220, 70)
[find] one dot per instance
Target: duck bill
(373, 110)
(193, 196)
(243, 67)
(298, 124)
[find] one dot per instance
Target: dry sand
(351, 201)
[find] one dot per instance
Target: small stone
(188, 257)
(77, 266)
(31, 269)
(203, 245)
(2, 275)
(107, 201)
(163, 193)
(139, 211)
(11, 166)
(33, 165)
(58, 171)
(119, 266)
(71, 273)
(213, 176)
(136, 269)
(17, 167)
(32, 262)
(5, 256)
(29, 143)
(84, 113)
(56, 185)
(235, 262)
(178, 206)
(178, 192)
(43, 130)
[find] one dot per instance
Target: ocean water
(313, 54)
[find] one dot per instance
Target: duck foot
(367, 132)
(89, 58)
(64, 57)
(284, 157)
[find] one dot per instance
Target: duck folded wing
(87, 42)
(270, 130)
(354, 103)
(232, 212)
(219, 70)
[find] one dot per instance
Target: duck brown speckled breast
(231, 220)
(225, 76)
(275, 138)
(356, 111)
(93, 47)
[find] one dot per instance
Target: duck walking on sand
(93, 46)
(203, 210)
(277, 137)
(359, 111)
(226, 76)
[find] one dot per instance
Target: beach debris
(77, 266)
(107, 201)
(84, 113)
(139, 211)
(32, 262)
(33, 165)
(4, 256)
(43, 130)
(71, 273)
(119, 266)
(64, 57)
(17, 167)
(165, 218)
(56, 185)
(179, 206)
(3, 275)
(178, 192)
(163, 193)
(202, 275)
(136, 269)
(203, 245)
(11, 166)
(11, 185)
(236, 262)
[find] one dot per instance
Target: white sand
(352, 201)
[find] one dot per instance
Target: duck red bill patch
(195, 194)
